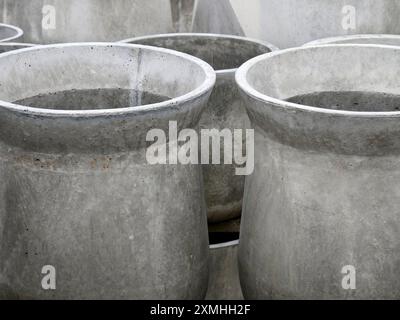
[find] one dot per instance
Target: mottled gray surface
(87, 20)
(325, 189)
(224, 189)
(77, 192)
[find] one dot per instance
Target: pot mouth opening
(353, 103)
(225, 53)
(84, 102)
(9, 32)
(10, 46)
(223, 239)
(383, 39)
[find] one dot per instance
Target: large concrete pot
(77, 191)
(321, 210)
(10, 46)
(55, 21)
(291, 23)
(223, 188)
(224, 274)
(9, 33)
(385, 39)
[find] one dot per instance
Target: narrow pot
(224, 274)
(59, 21)
(321, 210)
(223, 188)
(79, 199)
(9, 33)
(10, 46)
(384, 39)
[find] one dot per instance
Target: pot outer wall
(291, 23)
(58, 21)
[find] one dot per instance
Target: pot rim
(224, 244)
(241, 80)
(266, 44)
(18, 44)
(332, 40)
(200, 90)
(18, 30)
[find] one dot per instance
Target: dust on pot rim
(56, 68)
(268, 81)
(383, 39)
(206, 45)
(9, 32)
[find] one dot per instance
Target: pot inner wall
(221, 53)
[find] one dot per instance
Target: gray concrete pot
(324, 194)
(77, 192)
(291, 23)
(58, 21)
(224, 189)
(9, 33)
(385, 39)
(224, 274)
(10, 46)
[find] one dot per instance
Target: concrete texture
(10, 46)
(224, 274)
(77, 191)
(325, 189)
(291, 23)
(182, 15)
(385, 39)
(55, 21)
(9, 33)
(224, 189)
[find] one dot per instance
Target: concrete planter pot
(321, 210)
(384, 39)
(291, 23)
(224, 274)
(10, 46)
(9, 33)
(77, 191)
(224, 189)
(59, 21)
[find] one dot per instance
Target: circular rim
(19, 32)
(224, 244)
(241, 80)
(207, 85)
(268, 45)
(17, 44)
(332, 40)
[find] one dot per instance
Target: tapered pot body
(321, 210)
(9, 33)
(78, 193)
(225, 110)
(58, 21)
(291, 23)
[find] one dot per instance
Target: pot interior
(218, 51)
(359, 78)
(89, 77)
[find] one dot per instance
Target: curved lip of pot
(224, 244)
(268, 45)
(207, 85)
(241, 80)
(332, 40)
(18, 44)
(19, 32)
